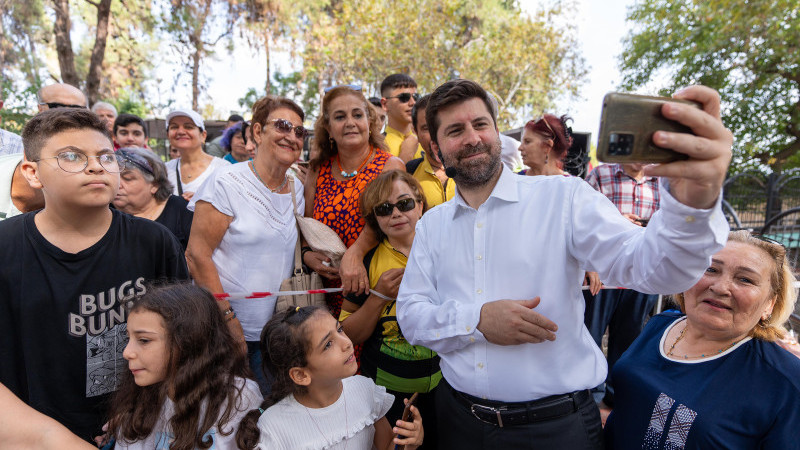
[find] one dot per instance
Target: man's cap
(186, 112)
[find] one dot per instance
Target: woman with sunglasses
(391, 206)
(145, 191)
(713, 375)
(244, 235)
(544, 145)
(351, 153)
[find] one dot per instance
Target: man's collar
(619, 170)
(505, 189)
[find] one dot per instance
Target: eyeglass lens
(386, 208)
(75, 162)
(406, 96)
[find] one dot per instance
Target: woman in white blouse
(243, 233)
(186, 133)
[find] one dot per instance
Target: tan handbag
(300, 279)
(321, 238)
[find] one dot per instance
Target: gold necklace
(702, 355)
(255, 172)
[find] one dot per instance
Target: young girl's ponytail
(283, 346)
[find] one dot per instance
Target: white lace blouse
(347, 423)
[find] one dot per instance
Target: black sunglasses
(284, 126)
(54, 105)
(405, 97)
(386, 208)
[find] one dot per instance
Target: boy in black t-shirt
(68, 270)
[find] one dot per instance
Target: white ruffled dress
(291, 426)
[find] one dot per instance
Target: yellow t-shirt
(435, 193)
(393, 140)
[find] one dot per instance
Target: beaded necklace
(355, 172)
(702, 355)
(277, 189)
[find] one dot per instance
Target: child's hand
(410, 434)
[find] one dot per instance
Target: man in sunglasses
(60, 95)
(493, 281)
(399, 94)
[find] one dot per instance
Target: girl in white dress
(317, 401)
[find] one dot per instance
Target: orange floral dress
(336, 204)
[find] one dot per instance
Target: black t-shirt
(63, 316)
(177, 218)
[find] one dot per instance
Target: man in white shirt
(493, 282)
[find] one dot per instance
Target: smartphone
(627, 124)
(407, 412)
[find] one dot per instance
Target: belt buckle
(497, 411)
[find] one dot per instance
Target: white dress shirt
(535, 236)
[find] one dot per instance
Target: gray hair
(159, 176)
(104, 105)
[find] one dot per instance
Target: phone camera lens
(620, 144)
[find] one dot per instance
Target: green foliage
(748, 50)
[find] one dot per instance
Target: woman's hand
(301, 172)
(187, 196)
(412, 432)
(353, 273)
(592, 279)
(389, 282)
(316, 262)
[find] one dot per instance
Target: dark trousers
(254, 358)
(624, 312)
(460, 429)
(426, 404)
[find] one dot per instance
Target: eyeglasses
(386, 208)
(405, 97)
(768, 240)
(354, 87)
(75, 162)
(136, 160)
(54, 105)
(284, 126)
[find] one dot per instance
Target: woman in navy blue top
(714, 377)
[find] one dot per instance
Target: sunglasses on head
(386, 208)
(354, 87)
(284, 126)
(54, 105)
(405, 97)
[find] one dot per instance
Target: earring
(546, 158)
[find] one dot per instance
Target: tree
(197, 26)
(526, 62)
(748, 50)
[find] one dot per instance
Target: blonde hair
(782, 281)
(325, 146)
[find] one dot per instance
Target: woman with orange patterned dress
(351, 153)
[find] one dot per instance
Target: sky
(600, 27)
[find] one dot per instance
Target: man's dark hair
(235, 118)
(48, 123)
(452, 93)
(123, 120)
(376, 102)
(397, 80)
(422, 103)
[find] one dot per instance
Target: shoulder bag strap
(178, 176)
(298, 263)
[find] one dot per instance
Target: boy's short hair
(422, 103)
(123, 120)
(397, 80)
(48, 123)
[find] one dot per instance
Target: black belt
(510, 414)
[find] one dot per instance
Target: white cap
(186, 112)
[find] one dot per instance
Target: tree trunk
(266, 50)
(198, 46)
(98, 51)
(66, 57)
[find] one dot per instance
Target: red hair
(555, 129)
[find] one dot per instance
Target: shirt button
(480, 365)
(480, 225)
(479, 291)
(472, 339)
(479, 257)
(469, 328)
(690, 219)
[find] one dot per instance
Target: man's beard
(475, 173)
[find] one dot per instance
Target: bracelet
(228, 312)
(303, 251)
(232, 316)
(379, 295)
